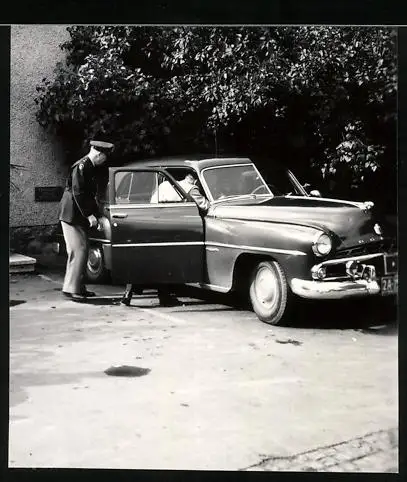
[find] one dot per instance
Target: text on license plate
(389, 285)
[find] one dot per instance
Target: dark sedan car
(271, 241)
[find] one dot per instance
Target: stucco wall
(34, 53)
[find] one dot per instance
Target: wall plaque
(48, 193)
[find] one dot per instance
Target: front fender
(228, 239)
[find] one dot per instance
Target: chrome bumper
(362, 282)
(334, 290)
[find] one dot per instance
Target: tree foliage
(316, 98)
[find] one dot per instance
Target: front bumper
(364, 282)
(333, 290)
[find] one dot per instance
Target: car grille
(384, 246)
(383, 264)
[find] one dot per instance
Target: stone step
(20, 263)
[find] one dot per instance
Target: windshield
(233, 181)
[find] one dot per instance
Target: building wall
(34, 53)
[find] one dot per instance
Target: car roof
(197, 161)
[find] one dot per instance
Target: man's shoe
(66, 294)
(78, 297)
(125, 301)
(169, 301)
(88, 294)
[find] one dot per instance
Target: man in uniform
(78, 211)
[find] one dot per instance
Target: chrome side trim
(151, 205)
(100, 240)
(333, 290)
(175, 243)
(257, 248)
(210, 246)
(363, 257)
(241, 196)
(221, 166)
(220, 289)
(356, 204)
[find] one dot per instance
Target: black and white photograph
(203, 248)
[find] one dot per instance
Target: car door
(153, 242)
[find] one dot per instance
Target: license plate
(389, 285)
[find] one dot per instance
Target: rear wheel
(96, 271)
(269, 292)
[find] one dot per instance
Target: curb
(19, 263)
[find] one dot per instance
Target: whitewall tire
(269, 292)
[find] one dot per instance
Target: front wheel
(96, 271)
(269, 292)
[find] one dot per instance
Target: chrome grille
(384, 246)
(338, 270)
(386, 263)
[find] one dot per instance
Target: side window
(135, 187)
(142, 187)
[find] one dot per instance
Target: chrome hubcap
(266, 288)
(94, 260)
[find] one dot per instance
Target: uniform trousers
(76, 241)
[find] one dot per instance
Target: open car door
(154, 241)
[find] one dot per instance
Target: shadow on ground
(100, 301)
(374, 315)
(363, 314)
(16, 302)
(135, 302)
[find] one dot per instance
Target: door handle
(119, 215)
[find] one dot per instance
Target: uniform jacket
(78, 201)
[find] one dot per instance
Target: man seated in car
(167, 193)
(189, 185)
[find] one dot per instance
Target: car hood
(351, 223)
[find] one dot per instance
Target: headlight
(322, 245)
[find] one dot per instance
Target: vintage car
(271, 241)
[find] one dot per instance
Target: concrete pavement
(221, 390)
